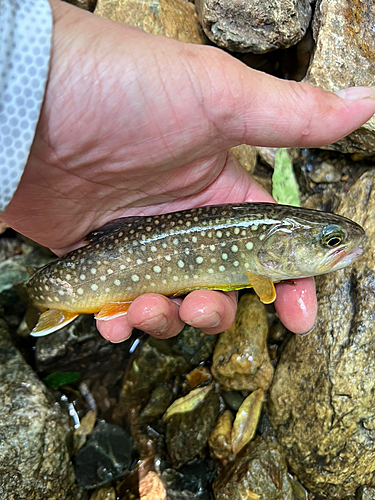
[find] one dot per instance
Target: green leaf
(284, 184)
(56, 380)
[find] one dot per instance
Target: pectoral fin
(113, 310)
(52, 320)
(263, 287)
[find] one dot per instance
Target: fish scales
(215, 247)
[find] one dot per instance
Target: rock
(155, 363)
(325, 173)
(171, 18)
(220, 440)
(14, 269)
(365, 493)
(321, 401)
(34, 459)
(159, 401)
(84, 4)
(190, 482)
(104, 494)
(253, 26)
(344, 57)
(247, 156)
(241, 360)
(107, 455)
(261, 472)
(187, 433)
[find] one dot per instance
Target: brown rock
(171, 18)
(345, 57)
(247, 156)
(321, 400)
(253, 26)
(260, 473)
(241, 360)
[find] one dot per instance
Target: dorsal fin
(122, 223)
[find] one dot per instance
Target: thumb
(255, 108)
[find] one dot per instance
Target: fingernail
(353, 93)
(214, 320)
(155, 325)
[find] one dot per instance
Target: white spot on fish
(117, 282)
(175, 278)
(153, 249)
(210, 271)
(212, 248)
(109, 271)
(224, 256)
(262, 236)
(254, 227)
(157, 269)
(234, 248)
(249, 245)
(80, 291)
(93, 270)
(199, 260)
(148, 277)
(82, 277)
(68, 276)
(168, 258)
(139, 262)
(236, 230)
(194, 239)
(135, 278)
(180, 264)
(236, 263)
(219, 234)
(222, 268)
(122, 267)
(94, 287)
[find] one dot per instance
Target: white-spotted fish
(222, 247)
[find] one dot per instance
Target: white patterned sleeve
(25, 46)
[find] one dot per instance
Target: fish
(218, 247)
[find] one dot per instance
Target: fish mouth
(340, 259)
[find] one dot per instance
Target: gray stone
(321, 400)
(253, 26)
(344, 57)
(34, 459)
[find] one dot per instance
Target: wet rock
(159, 401)
(200, 375)
(151, 487)
(220, 440)
(252, 26)
(246, 421)
(187, 433)
(104, 494)
(344, 57)
(365, 493)
(325, 173)
(80, 347)
(190, 482)
(260, 472)
(158, 361)
(321, 400)
(241, 359)
(107, 455)
(154, 363)
(247, 156)
(34, 459)
(171, 18)
(14, 269)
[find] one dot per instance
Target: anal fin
(113, 310)
(263, 287)
(52, 320)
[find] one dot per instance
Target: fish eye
(332, 236)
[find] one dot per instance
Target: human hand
(134, 124)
